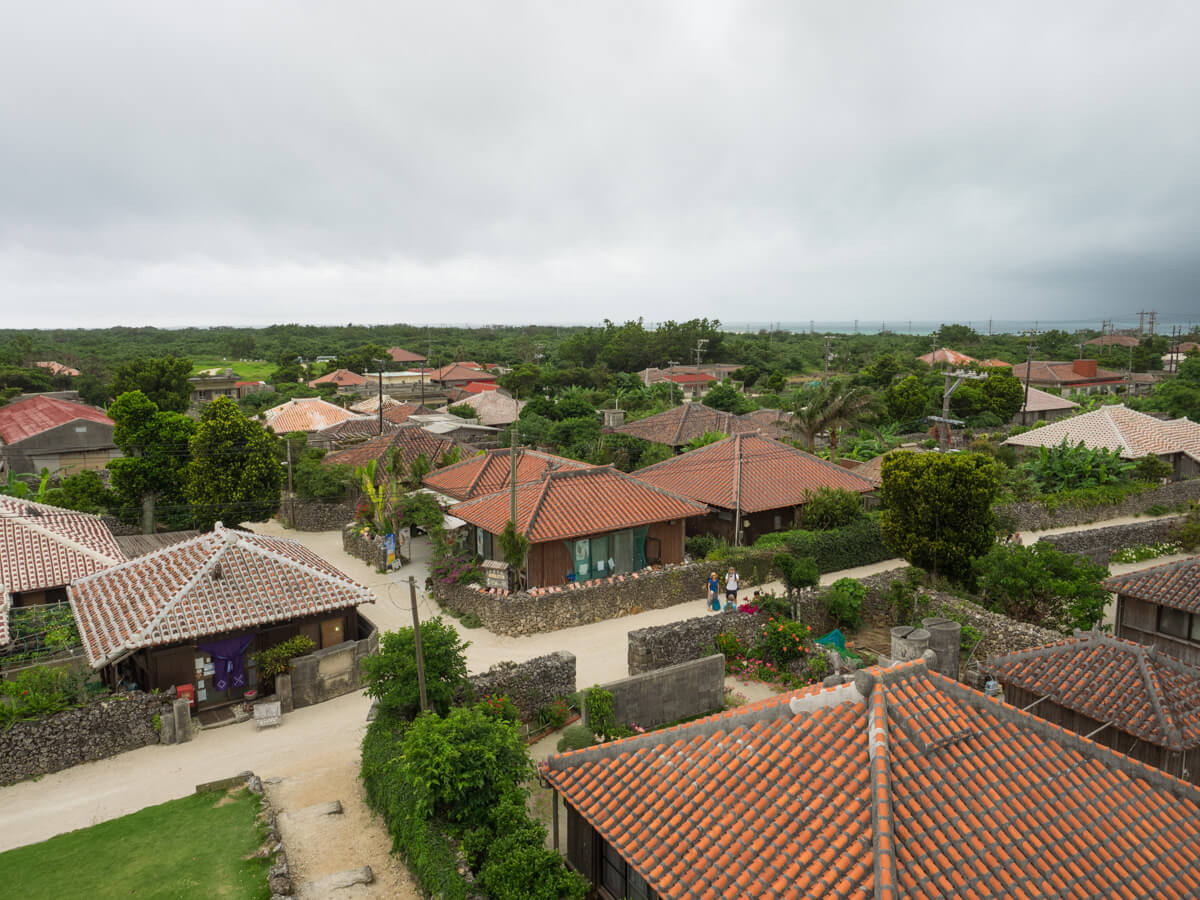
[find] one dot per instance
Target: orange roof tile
(215, 583)
(412, 440)
(1139, 689)
(946, 356)
(305, 414)
(1176, 584)
(680, 424)
(902, 784)
(489, 472)
(399, 354)
(340, 377)
(576, 502)
(750, 472)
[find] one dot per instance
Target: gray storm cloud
(251, 163)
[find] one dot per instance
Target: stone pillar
(909, 643)
(283, 690)
(945, 636)
(166, 725)
(181, 712)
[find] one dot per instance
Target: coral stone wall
(312, 515)
(101, 729)
(530, 685)
(1035, 517)
(677, 642)
(1098, 544)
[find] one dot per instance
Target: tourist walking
(731, 588)
(714, 587)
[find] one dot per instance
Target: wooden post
(554, 814)
(412, 592)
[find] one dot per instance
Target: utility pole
(380, 361)
(958, 377)
(1028, 370)
(699, 351)
(291, 493)
(1152, 315)
(828, 357)
(412, 593)
(671, 363)
(512, 474)
(1141, 323)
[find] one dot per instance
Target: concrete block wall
(667, 695)
(329, 672)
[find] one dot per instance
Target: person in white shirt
(731, 586)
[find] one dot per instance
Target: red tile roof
(460, 372)
(577, 502)
(1126, 431)
(690, 377)
(216, 583)
(489, 472)
(305, 414)
(1176, 585)
(478, 387)
(399, 354)
(903, 784)
(47, 547)
(680, 424)
(751, 473)
(340, 377)
(400, 413)
(30, 416)
(1063, 373)
(1140, 690)
(412, 440)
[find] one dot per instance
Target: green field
(198, 846)
(257, 370)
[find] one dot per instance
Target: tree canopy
(156, 447)
(163, 379)
(234, 475)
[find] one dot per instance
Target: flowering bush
(783, 641)
(454, 565)
(728, 644)
(1146, 551)
(500, 707)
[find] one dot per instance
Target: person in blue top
(714, 587)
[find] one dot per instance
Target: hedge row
(428, 853)
(857, 544)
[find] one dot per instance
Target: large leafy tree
(163, 379)
(727, 398)
(1004, 395)
(908, 399)
(234, 475)
(1043, 585)
(392, 672)
(938, 509)
(148, 480)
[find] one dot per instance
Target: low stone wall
(313, 515)
(667, 695)
(650, 649)
(529, 685)
(1035, 517)
(97, 731)
(367, 547)
(1098, 544)
(549, 609)
(327, 673)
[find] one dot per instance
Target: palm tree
(830, 408)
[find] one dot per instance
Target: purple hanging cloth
(228, 668)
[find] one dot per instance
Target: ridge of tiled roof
(1140, 690)
(586, 501)
(751, 472)
(1174, 584)
(489, 472)
(170, 595)
(305, 414)
(680, 424)
(825, 792)
(412, 440)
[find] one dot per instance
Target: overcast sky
(246, 163)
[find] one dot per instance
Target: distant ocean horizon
(1162, 325)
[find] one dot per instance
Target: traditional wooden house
(1133, 698)
(1160, 607)
(753, 484)
(194, 612)
(901, 783)
(679, 425)
(582, 524)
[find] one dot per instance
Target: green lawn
(258, 370)
(196, 846)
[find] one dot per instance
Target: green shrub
(831, 508)
(39, 691)
(818, 667)
(1187, 532)
(1157, 509)
(698, 546)
(600, 716)
(1144, 552)
(1066, 467)
(392, 672)
(1152, 468)
(902, 597)
(729, 645)
(1043, 586)
(500, 707)
(858, 544)
(782, 641)
(276, 660)
(844, 602)
(470, 620)
(555, 714)
(576, 737)
(514, 863)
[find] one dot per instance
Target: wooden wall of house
(1137, 621)
(718, 523)
(549, 564)
(582, 847)
(671, 535)
(1135, 748)
(39, 598)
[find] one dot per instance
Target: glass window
(1172, 621)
